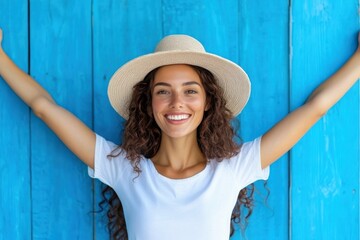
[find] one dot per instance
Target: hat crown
(179, 43)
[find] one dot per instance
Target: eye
(191, 91)
(161, 92)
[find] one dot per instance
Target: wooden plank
(213, 23)
(15, 191)
(122, 30)
(325, 163)
(61, 62)
(223, 28)
(263, 53)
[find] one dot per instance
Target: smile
(178, 117)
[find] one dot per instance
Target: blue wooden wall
(73, 47)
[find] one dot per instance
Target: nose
(176, 101)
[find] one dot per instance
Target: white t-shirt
(160, 208)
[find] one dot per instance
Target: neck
(179, 153)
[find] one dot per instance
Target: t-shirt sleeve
(107, 169)
(247, 164)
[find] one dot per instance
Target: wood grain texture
(15, 175)
(264, 54)
(122, 30)
(325, 163)
(76, 46)
(60, 40)
(213, 23)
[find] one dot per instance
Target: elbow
(40, 106)
(319, 105)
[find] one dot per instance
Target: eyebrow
(169, 85)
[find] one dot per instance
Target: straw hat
(180, 49)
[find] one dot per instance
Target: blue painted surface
(286, 47)
(325, 163)
(15, 169)
(60, 59)
(263, 52)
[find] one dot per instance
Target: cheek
(155, 105)
(197, 104)
(155, 108)
(158, 106)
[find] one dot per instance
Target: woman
(178, 172)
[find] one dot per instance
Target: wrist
(2, 60)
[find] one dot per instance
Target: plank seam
(358, 233)
(92, 111)
(290, 58)
(162, 19)
(30, 123)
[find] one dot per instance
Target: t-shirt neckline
(156, 174)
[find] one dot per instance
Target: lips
(177, 117)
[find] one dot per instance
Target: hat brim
(230, 77)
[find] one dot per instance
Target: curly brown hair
(216, 136)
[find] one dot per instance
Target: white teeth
(177, 117)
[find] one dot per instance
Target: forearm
(285, 134)
(331, 91)
(20, 82)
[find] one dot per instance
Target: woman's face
(178, 100)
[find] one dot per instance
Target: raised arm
(279, 139)
(74, 133)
